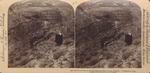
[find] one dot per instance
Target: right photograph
(108, 34)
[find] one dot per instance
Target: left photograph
(41, 34)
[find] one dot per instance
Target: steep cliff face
(32, 28)
(100, 29)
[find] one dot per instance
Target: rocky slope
(32, 28)
(105, 22)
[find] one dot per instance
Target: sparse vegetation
(32, 28)
(96, 42)
(100, 40)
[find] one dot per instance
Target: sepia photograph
(41, 34)
(74, 36)
(108, 34)
(53, 34)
